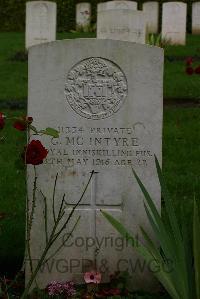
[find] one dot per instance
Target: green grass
(181, 147)
(192, 47)
(179, 85)
(13, 74)
(12, 198)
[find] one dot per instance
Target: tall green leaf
(147, 254)
(173, 245)
(161, 231)
(179, 248)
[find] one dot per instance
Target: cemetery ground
(181, 162)
(177, 85)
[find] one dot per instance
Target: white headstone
(174, 22)
(151, 10)
(40, 22)
(120, 23)
(105, 98)
(196, 18)
(83, 14)
(118, 4)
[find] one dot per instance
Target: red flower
(29, 119)
(35, 153)
(189, 70)
(2, 120)
(189, 61)
(197, 70)
(22, 123)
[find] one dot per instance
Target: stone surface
(105, 98)
(117, 4)
(40, 22)
(196, 18)
(120, 23)
(83, 14)
(174, 22)
(151, 10)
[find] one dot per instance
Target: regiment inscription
(99, 147)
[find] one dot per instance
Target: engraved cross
(94, 207)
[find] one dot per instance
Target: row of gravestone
(115, 19)
(151, 10)
(105, 97)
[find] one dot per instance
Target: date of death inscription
(100, 147)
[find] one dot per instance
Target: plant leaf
(122, 230)
(50, 132)
(168, 244)
(158, 225)
(161, 275)
(179, 248)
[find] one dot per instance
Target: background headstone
(151, 10)
(174, 22)
(121, 24)
(196, 18)
(118, 4)
(83, 14)
(105, 98)
(40, 22)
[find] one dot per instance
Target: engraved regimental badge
(96, 88)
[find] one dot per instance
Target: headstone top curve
(174, 3)
(117, 4)
(41, 2)
(95, 40)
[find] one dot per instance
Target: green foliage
(12, 15)
(50, 132)
(85, 29)
(174, 257)
(157, 40)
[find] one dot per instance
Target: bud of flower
(189, 70)
(2, 120)
(197, 70)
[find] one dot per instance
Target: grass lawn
(177, 85)
(13, 74)
(12, 197)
